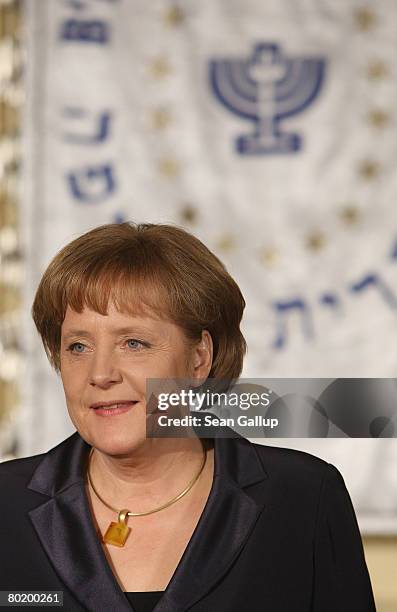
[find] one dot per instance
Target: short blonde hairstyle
(162, 267)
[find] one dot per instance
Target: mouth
(113, 408)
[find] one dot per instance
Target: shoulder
(313, 486)
(288, 458)
(297, 466)
(29, 480)
(19, 471)
(15, 476)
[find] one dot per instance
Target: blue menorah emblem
(267, 88)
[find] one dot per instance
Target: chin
(118, 443)
(112, 435)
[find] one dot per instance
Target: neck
(149, 476)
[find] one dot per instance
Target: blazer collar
(67, 532)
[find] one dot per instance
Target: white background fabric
(291, 226)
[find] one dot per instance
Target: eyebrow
(116, 332)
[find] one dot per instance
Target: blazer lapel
(228, 519)
(66, 530)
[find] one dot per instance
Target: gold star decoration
(169, 167)
(378, 118)
(365, 19)
(377, 70)
(188, 214)
(174, 16)
(159, 68)
(349, 214)
(268, 256)
(368, 169)
(226, 243)
(315, 241)
(160, 118)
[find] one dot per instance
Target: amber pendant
(117, 533)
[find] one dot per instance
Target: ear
(202, 356)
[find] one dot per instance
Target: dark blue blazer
(278, 534)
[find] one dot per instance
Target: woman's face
(108, 358)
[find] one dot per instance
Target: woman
(221, 525)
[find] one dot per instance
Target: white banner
(266, 129)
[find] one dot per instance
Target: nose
(104, 371)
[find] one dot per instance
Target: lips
(113, 409)
(113, 405)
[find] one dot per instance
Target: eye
(77, 345)
(133, 340)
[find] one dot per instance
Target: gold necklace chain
(172, 501)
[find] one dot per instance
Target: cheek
(178, 365)
(72, 381)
